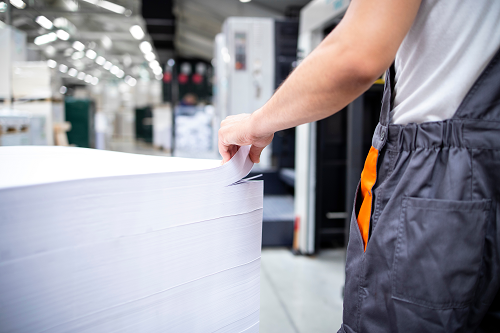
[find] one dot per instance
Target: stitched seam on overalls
(394, 277)
(381, 189)
(361, 280)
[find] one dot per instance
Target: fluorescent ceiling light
(18, 4)
(245, 0)
(72, 72)
(137, 32)
(153, 64)
(61, 22)
(157, 70)
(150, 56)
(61, 34)
(47, 38)
(44, 22)
(88, 78)
(112, 7)
(130, 81)
(114, 70)
(51, 63)
(159, 76)
(94, 2)
(94, 81)
(78, 46)
(100, 60)
(63, 68)
(72, 5)
(145, 47)
(91, 54)
(120, 74)
(107, 66)
(81, 76)
(77, 55)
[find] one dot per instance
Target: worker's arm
(341, 68)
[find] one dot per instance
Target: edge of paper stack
(94, 241)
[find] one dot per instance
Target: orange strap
(368, 178)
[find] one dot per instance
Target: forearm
(325, 82)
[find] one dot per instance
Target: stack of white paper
(95, 241)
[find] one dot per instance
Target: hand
(239, 130)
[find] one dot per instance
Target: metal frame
(314, 17)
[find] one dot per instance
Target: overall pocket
(439, 251)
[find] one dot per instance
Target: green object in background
(144, 124)
(80, 113)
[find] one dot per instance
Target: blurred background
(158, 76)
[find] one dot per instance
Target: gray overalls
(432, 258)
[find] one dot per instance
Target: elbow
(364, 70)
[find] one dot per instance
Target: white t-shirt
(445, 51)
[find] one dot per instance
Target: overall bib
(424, 246)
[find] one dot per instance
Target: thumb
(255, 153)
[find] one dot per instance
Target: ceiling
(176, 28)
(198, 21)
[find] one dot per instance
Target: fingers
(255, 153)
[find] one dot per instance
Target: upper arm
(372, 31)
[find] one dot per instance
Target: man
(423, 253)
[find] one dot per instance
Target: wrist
(258, 124)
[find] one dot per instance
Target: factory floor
(301, 294)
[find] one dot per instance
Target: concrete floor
(301, 294)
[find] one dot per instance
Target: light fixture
(63, 90)
(100, 60)
(72, 5)
(244, 1)
(94, 2)
(94, 81)
(130, 80)
(72, 72)
(44, 39)
(171, 62)
(112, 7)
(77, 55)
(157, 70)
(91, 54)
(50, 51)
(107, 65)
(106, 42)
(3, 7)
(137, 32)
(153, 64)
(146, 47)
(150, 56)
(63, 68)
(88, 78)
(78, 46)
(51, 63)
(120, 74)
(114, 70)
(44, 22)
(19, 4)
(159, 76)
(61, 22)
(61, 34)
(81, 76)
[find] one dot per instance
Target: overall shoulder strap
(483, 99)
(388, 99)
